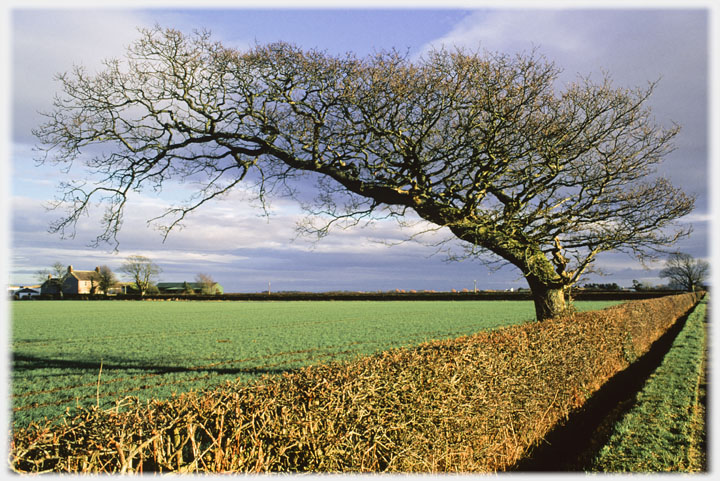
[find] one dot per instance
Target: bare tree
(685, 272)
(57, 271)
(483, 147)
(55, 276)
(142, 270)
(206, 282)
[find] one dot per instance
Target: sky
(244, 251)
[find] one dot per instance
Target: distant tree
(105, 279)
(207, 284)
(57, 270)
(187, 288)
(685, 272)
(55, 276)
(142, 270)
(491, 149)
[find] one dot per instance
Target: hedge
(478, 403)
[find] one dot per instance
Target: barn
(186, 288)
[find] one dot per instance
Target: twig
(97, 393)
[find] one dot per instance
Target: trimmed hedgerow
(474, 404)
(657, 434)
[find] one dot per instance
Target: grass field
(60, 350)
(663, 430)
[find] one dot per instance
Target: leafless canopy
(206, 283)
(142, 270)
(483, 145)
(685, 272)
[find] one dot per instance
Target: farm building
(23, 292)
(186, 288)
(51, 286)
(74, 282)
(122, 288)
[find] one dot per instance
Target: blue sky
(242, 250)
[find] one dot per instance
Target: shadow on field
(573, 445)
(24, 362)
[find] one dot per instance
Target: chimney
(97, 269)
(49, 276)
(70, 269)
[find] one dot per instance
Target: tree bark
(549, 301)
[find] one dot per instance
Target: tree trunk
(549, 301)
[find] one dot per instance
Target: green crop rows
(87, 352)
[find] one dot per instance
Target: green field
(661, 432)
(155, 349)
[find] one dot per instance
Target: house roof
(175, 285)
(26, 289)
(83, 275)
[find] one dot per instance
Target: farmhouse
(73, 282)
(81, 282)
(186, 288)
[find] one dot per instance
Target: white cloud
(697, 218)
(230, 224)
(514, 30)
(634, 46)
